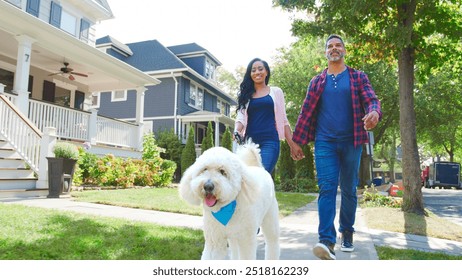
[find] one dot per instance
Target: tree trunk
(412, 197)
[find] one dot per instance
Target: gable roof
(187, 48)
(192, 49)
(95, 10)
(147, 56)
(154, 58)
(105, 5)
(151, 56)
(108, 41)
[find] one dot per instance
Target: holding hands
(296, 151)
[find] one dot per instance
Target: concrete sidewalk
(298, 231)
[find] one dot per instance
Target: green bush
(188, 156)
(119, 172)
(85, 164)
(150, 149)
(286, 165)
(172, 148)
(168, 168)
(154, 173)
(151, 170)
(296, 176)
(372, 198)
(298, 185)
(305, 167)
(66, 150)
(171, 144)
(226, 140)
(208, 142)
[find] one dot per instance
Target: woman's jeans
(269, 150)
(336, 162)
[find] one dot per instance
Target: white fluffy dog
(238, 197)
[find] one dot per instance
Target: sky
(234, 31)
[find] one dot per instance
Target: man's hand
(371, 120)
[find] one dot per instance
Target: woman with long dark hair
(261, 113)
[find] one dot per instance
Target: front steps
(23, 193)
(16, 178)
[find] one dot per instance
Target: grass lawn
(29, 233)
(389, 219)
(168, 200)
(40, 234)
(387, 253)
(395, 220)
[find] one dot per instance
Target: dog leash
(239, 140)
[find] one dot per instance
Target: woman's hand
(296, 152)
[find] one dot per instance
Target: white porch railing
(20, 133)
(82, 126)
(11, 97)
(69, 123)
(117, 133)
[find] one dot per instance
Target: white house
(50, 72)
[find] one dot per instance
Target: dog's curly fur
(217, 178)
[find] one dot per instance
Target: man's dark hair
(335, 36)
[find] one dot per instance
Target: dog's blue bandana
(225, 213)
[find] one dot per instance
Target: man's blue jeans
(269, 150)
(337, 163)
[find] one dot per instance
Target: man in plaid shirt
(339, 108)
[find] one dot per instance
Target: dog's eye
(223, 172)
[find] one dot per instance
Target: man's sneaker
(324, 250)
(347, 241)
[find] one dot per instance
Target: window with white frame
(200, 98)
(196, 96)
(66, 19)
(68, 23)
(192, 95)
(210, 69)
(219, 107)
(95, 97)
(84, 30)
(118, 95)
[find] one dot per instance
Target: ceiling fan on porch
(67, 70)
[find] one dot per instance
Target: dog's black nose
(208, 186)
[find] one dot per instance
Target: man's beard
(335, 58)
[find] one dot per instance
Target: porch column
(179, 131)
(21, 76)
(140, 92)
(217, 133)
(92, 126)
(2, 88)
(46, 150)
